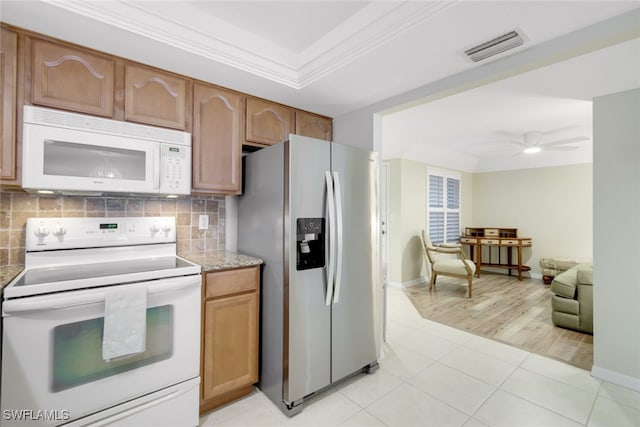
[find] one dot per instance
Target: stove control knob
(41, 232)
(154, 228)
(59, 231)
(166, 228)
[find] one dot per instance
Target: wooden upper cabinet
(218, 124)
(314, 126)
(8, 63)
(72, 79)
(154, 97)
(267, 122)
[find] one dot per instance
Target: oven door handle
(54, 302)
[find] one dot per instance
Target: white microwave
(76, 154)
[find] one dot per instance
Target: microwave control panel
(175, 169)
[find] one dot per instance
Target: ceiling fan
(532, 143)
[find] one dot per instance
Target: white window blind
(443, 206)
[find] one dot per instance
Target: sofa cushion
(552, 266)
(565, 305)
(565, 283)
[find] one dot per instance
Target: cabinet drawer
(510, 242)
(228, 282)
(526, 243)
(490, 241)
(491, 232)
(468, 240)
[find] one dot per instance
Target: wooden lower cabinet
(230, 324)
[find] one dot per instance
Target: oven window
(77, 349)
(93, 161)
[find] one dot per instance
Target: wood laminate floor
(504, 309)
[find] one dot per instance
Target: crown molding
(209, 37)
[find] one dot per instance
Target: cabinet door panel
(217, 139)
(313, 126)
(230, 344)
(268, 123)
(72, 79)
(8, 63)
(154, 98)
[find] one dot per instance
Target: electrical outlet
(203, 222)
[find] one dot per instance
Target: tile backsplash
(17, 206)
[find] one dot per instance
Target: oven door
(70, 160)
(52, 366)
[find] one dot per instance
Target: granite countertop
(220, 260)
(8, 273)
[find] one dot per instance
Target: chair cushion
(453, 266)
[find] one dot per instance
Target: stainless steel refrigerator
(309, 209)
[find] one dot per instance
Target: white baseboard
(407, 284)
(616, 378)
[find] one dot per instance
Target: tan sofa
(572, 302)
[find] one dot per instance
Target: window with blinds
(443, 206)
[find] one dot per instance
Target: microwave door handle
(157, 167)
(23, 305)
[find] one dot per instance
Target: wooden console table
(477, 237)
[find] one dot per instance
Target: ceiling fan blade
(565, 141)
(520, 143)
(561, 148)
(561, 129)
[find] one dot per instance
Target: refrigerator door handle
(338, 195)
(332, 240)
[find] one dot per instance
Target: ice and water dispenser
(310, 243)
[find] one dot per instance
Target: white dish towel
(125, 321)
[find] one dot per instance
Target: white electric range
(102, 327)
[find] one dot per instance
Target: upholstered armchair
(448, 261)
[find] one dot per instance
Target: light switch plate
(203, 222)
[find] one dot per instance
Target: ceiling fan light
(531, 150)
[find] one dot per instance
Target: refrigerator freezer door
(355, 324)
(309, 319)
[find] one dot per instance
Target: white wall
(616, 168)
(408, 217)
(552, 205)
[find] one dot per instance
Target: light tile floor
(434, 375)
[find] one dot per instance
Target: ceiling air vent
(493, 47)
